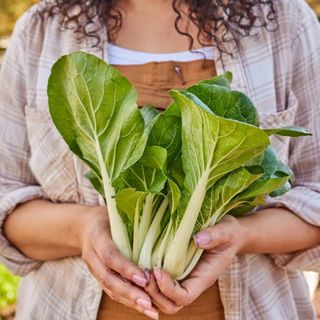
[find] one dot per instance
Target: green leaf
(274, 182)
(130, 202)
(150, 116)
(176, 172)
(212, 147)
(174, 195)
(281, 191)
(242, 109)
(290, 131)
(94, 108)
(148, 174)
(223, 80)
(240, 208)
(96, 181)
(95, 114)
(214, 97)
(276, 175)
(166, 133)
(219, 196)
(225, 102)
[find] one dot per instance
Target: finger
(216, 235)
(171, 289)
(206, 273)
(162, 302)
(118, 288)
(113, 259)
(130, 295)
(151, 313)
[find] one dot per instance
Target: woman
(50, 215)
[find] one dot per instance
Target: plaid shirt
(279, 70)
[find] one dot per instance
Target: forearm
(277, 230)
(43, 230)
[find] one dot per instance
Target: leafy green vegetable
(225, 102)
(223, 80)
(94, 108)
(211, 148)
(165, 176)
(290, 131)
(146, 178)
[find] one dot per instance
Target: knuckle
(222, 234)
(124, 270)
(104, 280)
(108, 256)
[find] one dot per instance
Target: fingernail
(140, 281)
(151, 314)
(157, 273)
(202, 239)
(147, 274)
(145, 304)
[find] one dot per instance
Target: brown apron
(152, 82)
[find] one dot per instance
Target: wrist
(245, 234)
(90, 219)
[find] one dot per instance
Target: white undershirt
(122, 56)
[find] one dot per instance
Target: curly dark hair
(219, 21)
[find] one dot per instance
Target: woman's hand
(122, 280)
(221, 242)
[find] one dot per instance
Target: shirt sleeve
(17, 184)
(304, 198)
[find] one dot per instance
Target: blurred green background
(8, 293)
(10, 10)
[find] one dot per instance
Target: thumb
(215, 236)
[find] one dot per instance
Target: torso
(141, 31)
(152, 81)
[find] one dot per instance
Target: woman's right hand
(121, 279)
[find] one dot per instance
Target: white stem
(145, 219)
(152, 236)
(175, 258)
(191, 251)
(118, 228)
(192, 254)
(135, 250)
(162, 244)
(192, 264)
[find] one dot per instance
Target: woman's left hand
(221, 243)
